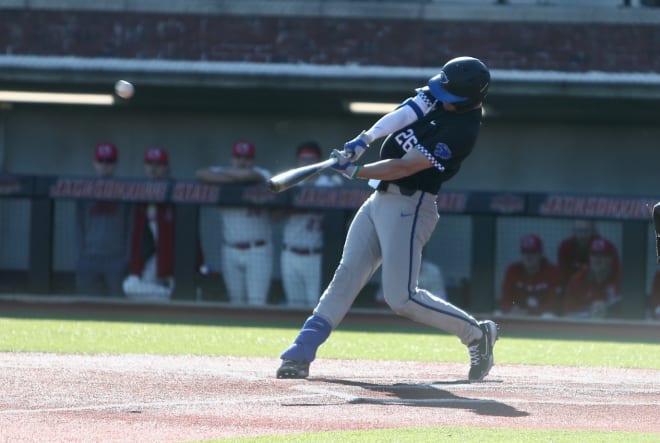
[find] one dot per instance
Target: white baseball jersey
(245, 224)
(304, 228)
(301, 251)
(249, 224)
(247, 251)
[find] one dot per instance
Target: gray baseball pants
(391, 229)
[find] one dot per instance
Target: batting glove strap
(344, 164)
(350, 172)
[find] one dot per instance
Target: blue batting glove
(356, 147)
(344, 166)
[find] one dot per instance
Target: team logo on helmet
(443, 78)
(442, 151)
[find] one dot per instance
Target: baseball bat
(292, 177)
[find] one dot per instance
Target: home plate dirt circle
(54, 397)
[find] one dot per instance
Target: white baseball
(124, 89)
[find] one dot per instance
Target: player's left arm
(229, 175)
(392, 169)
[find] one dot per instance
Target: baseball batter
(247, 251)
(428, 137)
(303, 239)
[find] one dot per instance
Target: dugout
(475, 240)
(564, 120)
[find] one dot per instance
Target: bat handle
(328, 163)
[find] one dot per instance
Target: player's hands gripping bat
(292, 177)
(356, 147)
(344, 164)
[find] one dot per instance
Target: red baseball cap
(309, 148)
(243, 148)
(531, 243)
(106, 152)
(156, 155)
(600, 245)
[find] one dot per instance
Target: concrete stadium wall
(510, 156)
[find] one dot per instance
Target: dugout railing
(490, 221)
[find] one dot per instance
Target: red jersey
(571, 258)
(534, 293)
(583, 290)
(143, 244)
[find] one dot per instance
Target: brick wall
(515, 45)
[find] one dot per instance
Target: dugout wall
(476, 238)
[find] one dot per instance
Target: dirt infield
(137, 398)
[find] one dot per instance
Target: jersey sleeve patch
(442, 151)
(434, 161)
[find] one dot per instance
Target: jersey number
(406, 139)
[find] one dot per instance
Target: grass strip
(98, 336)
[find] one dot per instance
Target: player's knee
(404, 310)
(396, 300)
(398, 305)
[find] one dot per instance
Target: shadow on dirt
(424, 395)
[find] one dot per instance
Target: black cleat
(293, 369)
(481, 351)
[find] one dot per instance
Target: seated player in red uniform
(531, 285)
(573, 252)
(596, 290)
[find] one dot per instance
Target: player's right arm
(406, 113)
